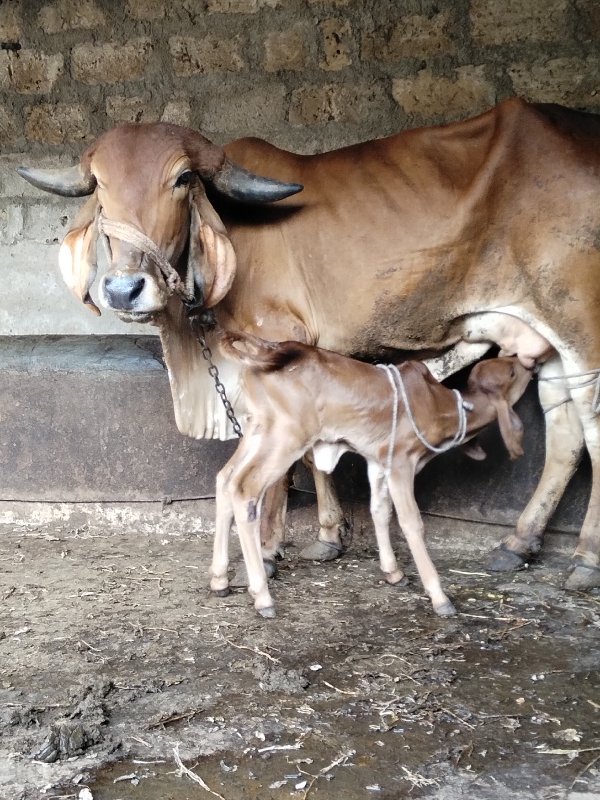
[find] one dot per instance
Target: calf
(302, 397)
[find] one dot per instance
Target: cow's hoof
(268, 612)
(583, 578)
(445, 610)
(240, 579)
(504, 560)
(221, 592)
(321, 551)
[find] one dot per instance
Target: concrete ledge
(89, 419)
(196, 518)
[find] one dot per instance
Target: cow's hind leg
(335, 533)
(564, 445)
(586, 559)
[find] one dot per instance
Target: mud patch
(115, 657)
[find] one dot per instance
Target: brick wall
(306, 74)
(310, 74)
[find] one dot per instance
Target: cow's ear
(511, 428)
(77, 256)
(211, 254)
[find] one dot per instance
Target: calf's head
(147, 186)
(502, 382)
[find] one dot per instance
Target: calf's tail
(259, 353)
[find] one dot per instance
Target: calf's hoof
(221, 592)
(321, 551)
(397, 578)
(504, 560)
(240, 579)
(445, 610)
(583, 578)
(268, 612)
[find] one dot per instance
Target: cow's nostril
(122, 291)
(137, 287)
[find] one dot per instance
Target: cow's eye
(184, 179)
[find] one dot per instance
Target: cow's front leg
(335, 533)
(564, 445)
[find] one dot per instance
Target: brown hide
(391, 240)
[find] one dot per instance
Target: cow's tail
(259, 353)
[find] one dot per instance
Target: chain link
(214, 373)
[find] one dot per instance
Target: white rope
(593, 377)
(388, 372)
(461, 406)
(127, 233)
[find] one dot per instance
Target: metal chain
(214, 373)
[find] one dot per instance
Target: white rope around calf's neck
(127, 233)
(395, 379)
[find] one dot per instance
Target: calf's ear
(211, 256)
(77, 255)
(473, 450)
(511, 428)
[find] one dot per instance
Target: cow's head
(147, 187)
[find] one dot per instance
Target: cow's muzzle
(134, 296)
(122, 291)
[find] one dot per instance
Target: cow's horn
(239, 184)
(69, 182)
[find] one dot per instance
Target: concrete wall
(307, 74)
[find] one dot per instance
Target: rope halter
(397, 384)
(127, 233)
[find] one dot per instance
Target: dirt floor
(119, 672)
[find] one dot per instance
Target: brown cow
(391, 246)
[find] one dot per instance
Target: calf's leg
(334, 532)
(381, 511)
(401, 488)
(263, 465)
(219, 581)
